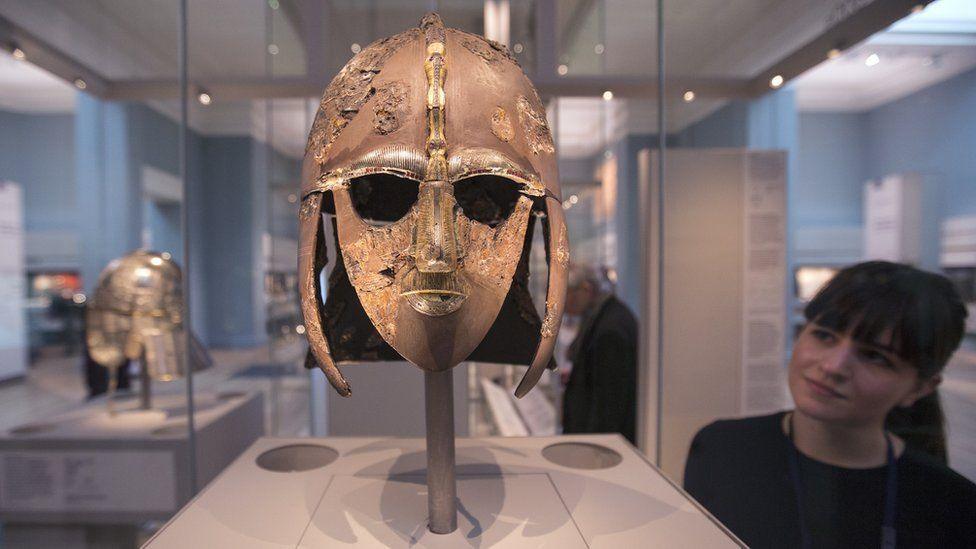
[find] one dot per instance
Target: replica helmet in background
(137, 314)
(432, 150)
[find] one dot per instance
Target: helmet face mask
(432, 150)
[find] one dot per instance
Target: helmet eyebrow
(398, 160)
(478, 161)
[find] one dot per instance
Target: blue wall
(831, 170)
(37, 151)
(932, 132)
(228, 213)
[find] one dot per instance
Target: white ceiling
(27, 88)
(914, 53)
(120, 39)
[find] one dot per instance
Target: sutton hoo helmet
(432, 150)
(137, 314)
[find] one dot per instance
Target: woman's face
(836, 379)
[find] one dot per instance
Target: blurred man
(601, 394)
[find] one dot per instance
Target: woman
(860, 461)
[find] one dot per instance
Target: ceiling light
(607, 95)
(292, 198)
(872, 60)
(274, 4)
(834, 53)
(689, 96)
(18, 53)
(273, 49)
(299, 329)
(166, 255)
(608, 154)
(204, 97)
(80, 84)
(517, 48)
(776, 81)
(562, 70)
(157, 261)
(599, 49)
(573, 199)
(79, 298)
(356, 48)
(917, 8)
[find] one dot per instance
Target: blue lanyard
(888, 533)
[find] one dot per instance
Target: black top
(601, 396)
(739, 470)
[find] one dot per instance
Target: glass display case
(718, 164)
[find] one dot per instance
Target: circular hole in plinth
(581, 455)
(174, 429)
(296, 457)
(32, 429)
(230, 395)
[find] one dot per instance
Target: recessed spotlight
(166, 255)
(562, 70)
(18, 53)
(688, 96)
(80, 84)
(292, 198)
(273, 49)
(79, 298)
(573, 199)
(608, 154)
(599, 49)
(834, 53)
(299, 329)
(204, 97)
(607, 95)
(917, 8)
(517, 48)
(872, 60)
(928, 61)
(356, 48)
(274, 4)
(157, 261)
(776, 81)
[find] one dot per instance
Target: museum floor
(55, 385)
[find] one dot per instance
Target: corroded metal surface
(555, 298)
(501, 125)
(349, 91)
(533, 121)
(390, 107)
(492, 253)
(311, 260)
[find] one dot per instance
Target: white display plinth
(91, 467)
(374, 495)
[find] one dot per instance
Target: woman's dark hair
(926, 318)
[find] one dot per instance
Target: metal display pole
(145, 390)
(184, 156)
(441, 484)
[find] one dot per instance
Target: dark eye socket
(487, 199)
(382, 198)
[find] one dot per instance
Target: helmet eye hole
(383, 198)
(487, 199)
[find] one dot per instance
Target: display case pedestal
(566, 491)
(92, 466)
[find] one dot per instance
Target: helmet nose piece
(434, 241)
